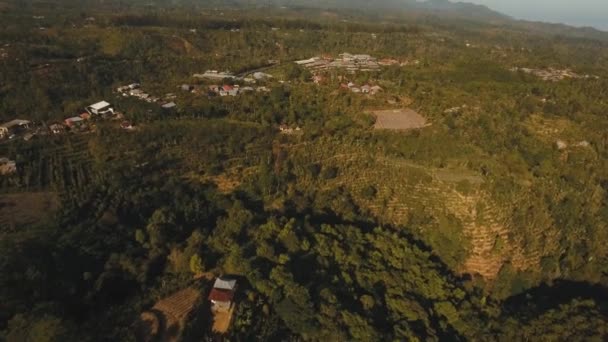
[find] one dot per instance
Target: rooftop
(16, 122)
(219, 295)
(225, 284)
(99, 105)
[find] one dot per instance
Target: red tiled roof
(218, 295)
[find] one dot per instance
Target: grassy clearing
(399, 119)
(552, 129)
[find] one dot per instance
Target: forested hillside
(483, 219)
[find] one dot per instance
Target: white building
(13, 126)
(100, 108)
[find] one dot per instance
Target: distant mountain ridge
(461, 9)
(437, 8)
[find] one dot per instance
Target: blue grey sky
(577, 13)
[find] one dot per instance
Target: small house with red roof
(222, 294)
(75, 121)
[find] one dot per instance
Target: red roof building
(219, 295)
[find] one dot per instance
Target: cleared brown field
(221, 320)
(166, 320)
(20, 209)
(398, 119)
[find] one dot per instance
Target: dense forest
(489, 223)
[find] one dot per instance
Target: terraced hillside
(470, 231)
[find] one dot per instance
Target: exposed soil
(166, 320)
(222, 319)
(399, 119)
(20, 209)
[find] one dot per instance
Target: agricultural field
(18, 210)
(166, 320)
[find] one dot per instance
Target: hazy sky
(577, 12)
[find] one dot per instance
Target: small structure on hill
(285, 129)
(126, 125)
(215, 75)
(375, 90)
(7, 166)
(169, 106)
(14, 127)
(186, 87)
(100, 108)
(261, 76)
(75, 121)
(222, 294)
(56, 128)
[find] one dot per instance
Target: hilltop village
(213, 83)
(210, 84)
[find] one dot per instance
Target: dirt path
(222, 319)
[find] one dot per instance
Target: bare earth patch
(398, 119)
(222, 319)
(166, 320)
(26, 208)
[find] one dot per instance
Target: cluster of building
(27, 130)
(134, 90)
(228, 88)
(352, 63)
(285, 129)
(455, 110)
(552, 74)
(365, 89)
(100, 109)
(234, 90)
(562, 145)
(14, 128)
(215, 75)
